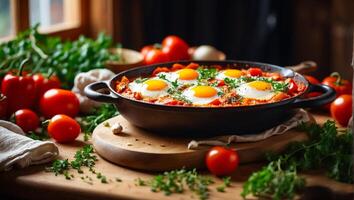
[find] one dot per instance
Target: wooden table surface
(34, 183)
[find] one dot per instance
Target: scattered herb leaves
(175, 181)
(84, 157)
(88, 123)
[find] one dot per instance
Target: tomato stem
(157, 46)
(22, 66)
(45, 123)
(339, 78)
(2, 97)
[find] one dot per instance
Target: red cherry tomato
(175, 48)
(43, 84)
(292, 85)
(255, 71)
(59, 101)
(312, 79)
(341, 109)
(340, 85)
(145, 50)
(155, 56)
(222, 161)
(3, 106)
(27, 120)
(63, 128)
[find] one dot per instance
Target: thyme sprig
(328, 149)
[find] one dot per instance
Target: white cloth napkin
(82, 80)
(300, 116)
(21, 151)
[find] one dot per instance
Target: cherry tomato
(255, 71)
(43, 84)
(222, 161)
(155, 56)
(3, 106)
(160, 69)
(63, 128)
(27, 120)
(145, 50)
(59, 101)
(340, 85)
(175, 48)
(341, 109)
(292, 86)
(312, 79)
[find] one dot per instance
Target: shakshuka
(209, 86)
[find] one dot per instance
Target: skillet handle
(91, 91)
(304, 67)
(329, 94)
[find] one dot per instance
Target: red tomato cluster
(341, 107)
(23, 94)
(173, 48)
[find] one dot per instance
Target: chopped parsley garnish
(84, 157)
(226, 183)
(140, 80)
(176, 94)
(175, 181)
(206, 74)
(276, 85)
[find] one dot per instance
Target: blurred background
(272, 31)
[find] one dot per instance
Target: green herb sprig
(274, 182)
(90, 122)
(206, 74)
(328, 149)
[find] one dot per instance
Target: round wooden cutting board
(138, 149)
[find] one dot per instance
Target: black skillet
(207, 121)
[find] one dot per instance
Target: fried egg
(185, 76)
(201, 95)
(229, 73)
(152, 88)
(259, 90)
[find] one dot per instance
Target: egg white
(142, 88)
(246, 91)
(221, 76)
(189, 94)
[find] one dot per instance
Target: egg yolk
(204, 91)
(260, 85)
(155, 84)
(234, 73)
(187, 74)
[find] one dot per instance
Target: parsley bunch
(50, 55)
(327, 148)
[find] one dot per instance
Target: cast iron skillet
(205, 121)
